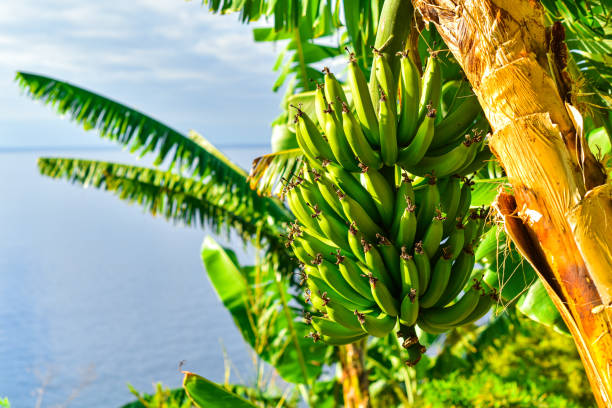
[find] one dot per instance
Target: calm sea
(96, 293)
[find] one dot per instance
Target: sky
(170, 59)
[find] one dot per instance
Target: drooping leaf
(175, 197)
(256, 299)
(206, 394)
(193, 154)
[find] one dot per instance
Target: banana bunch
(384, 231)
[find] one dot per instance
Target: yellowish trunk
(560, 212)
(354, 376)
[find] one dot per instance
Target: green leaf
(206, 394)
(175, 197)
(255, 298)
(485, 191)
(270, 172)
(537, 305)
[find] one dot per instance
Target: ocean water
(96, 293)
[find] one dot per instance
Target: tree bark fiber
(560, 213)
(354, 376)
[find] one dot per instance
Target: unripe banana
(328, 192)
(390, 257)
(312, 136)
(334, 229)
(343, 316)
(455, 241)
(312, 194)
(320, 105)
(450, 203)
(356, 139)
(337, 141)
(431, 87)
(457, 121)
(341, 341)
(421, 260)
(484, 304)
(413, 153)
(311, 156)
(430, 328)
(410, 92)
(447, 163)
(375, 263)
(404, 195)
(381, 192)
(387, 128)
(409, 273)
(378, 326)
(355, 213)
(300, 253)
(363, 103)
(334, 93)
(451, 315)
(333, 278)
(409, 310)
(385, 80)
(482, 158)
(353, 275)
(407, 227)
(318, 287)
(433, 235)
(383, 297)
(349, 185)
(332, 329)
(465, 199)
(428, 199)
(438, 282)
(304, 214)
(354, 240)
(460, 275)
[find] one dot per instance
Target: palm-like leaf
(142, 133)
(176, 197)
(271, 170)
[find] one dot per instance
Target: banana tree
(557, 216)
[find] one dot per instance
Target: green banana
(363, 103)
(312, 136)
(341, 341)
(334, 94)
(438, 282)
(433, 235)
(320, 105)
(450, 203)
(358, 142)
(431, 87)
(312, 254)
(484, 304)
(354, 240)
(378, 326)
(387, 128)
(383, 297)
(334, 229)
(460, 275)
(410, 92)
(337, 141)
(465, 199)
(352, 274)
(409, 309)
(357, 214)
(349, 185)
(312, 157)
(430, 328)
(328, 192)
(312, 194)
(330, 275)
(451, 315)
(456, 122)
(447, 163)
(455, 241)
(409, 273)
(403, 196)
(300, 253)
(390, 257)
(407, 227)
(343, 316)
(385, 80)
(421, 260)
(332, 329)
(413, 153)
(382, 194)
(483, 157)
(319, 288)
(314, 245)
(428, 199)
(303, 213)
(375, 263)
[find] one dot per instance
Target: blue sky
(168, 58)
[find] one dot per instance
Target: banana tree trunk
(354, 377)
(560, 212)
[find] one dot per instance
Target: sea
(96, 293)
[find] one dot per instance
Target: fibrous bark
(561, 207)
(354, 376)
